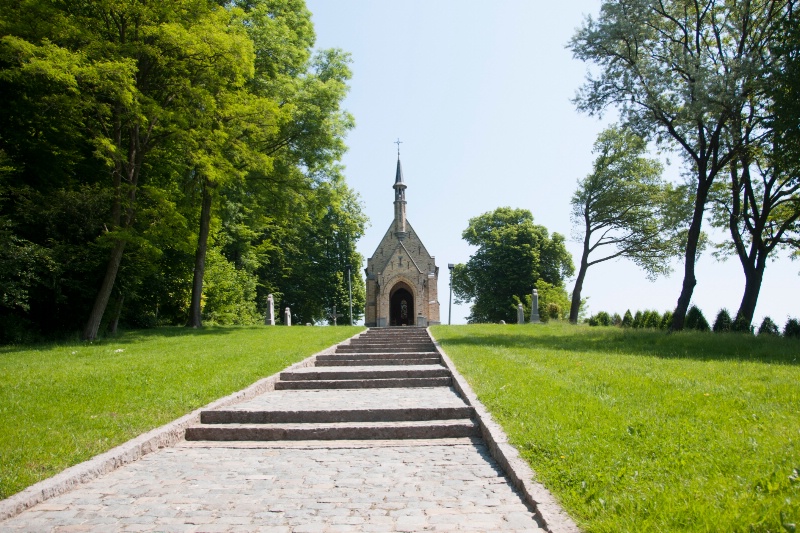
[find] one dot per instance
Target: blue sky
(479, 94)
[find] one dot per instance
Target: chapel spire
(399, 201)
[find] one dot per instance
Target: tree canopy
(682, 73)
(148, 147)
(624, 209)
(513, 254)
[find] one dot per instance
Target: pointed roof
(398, 179)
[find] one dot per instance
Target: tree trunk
(195, 317)
(576, 291)
(101, 301)
(131, 169)
(753, 274)
(118, 311)
(693, 238)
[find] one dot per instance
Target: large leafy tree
(758, 199)
(139, 138)
(317, 254)
(289, 117)
(139, 73)
(623, 209)
(680, 71)
(513, 254)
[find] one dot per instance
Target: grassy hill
(61, 404)
(637, 430)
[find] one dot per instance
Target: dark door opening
(401, 308)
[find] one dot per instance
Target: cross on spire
(398, 142)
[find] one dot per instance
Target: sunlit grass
(637, 430)
(61, 404)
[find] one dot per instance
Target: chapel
(402, 277)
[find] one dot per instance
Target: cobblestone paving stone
(433, 485)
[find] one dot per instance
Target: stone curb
(547, 510)
(133, 450)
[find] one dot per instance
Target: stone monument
(287, 317)
(520, 314)
(535, 307)
(270, 321)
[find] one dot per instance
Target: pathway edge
(136, 448)
(546, 507)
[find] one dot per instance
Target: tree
(624, 206)
(513, 254)
(306, 266)
(680, 71)
(784, 91)
(140, 139)
(140, 72)
(289, 118)
(759, 199)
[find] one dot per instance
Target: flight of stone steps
(387, 383)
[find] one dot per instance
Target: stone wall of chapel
(370, 316)
(401, 259)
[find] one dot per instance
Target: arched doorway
(401, 306)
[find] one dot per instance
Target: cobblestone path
(347, 477)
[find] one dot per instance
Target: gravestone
(535, 307)
(270, 321)
(520, 314)
(287, 317)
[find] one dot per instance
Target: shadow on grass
(127, 337)
(646, 343)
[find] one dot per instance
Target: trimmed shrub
(723, 321)
(651, 319)
(741, 325)
(792, 328)
(695, 320)
(768, 327)
(666, 320)
(627, 320)
(553, 311)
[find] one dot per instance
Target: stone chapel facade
(402, 277)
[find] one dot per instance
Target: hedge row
(694, 321)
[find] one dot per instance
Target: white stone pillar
(270, 321)
(287, 317)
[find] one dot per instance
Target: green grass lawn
(637, 430)
(61, 404)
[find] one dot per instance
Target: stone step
(390, 345)
(378, 355)
(348, 361)
(405, 338)
(350, 399)
(335, 415)
(374, 372)
(437, 429)
(364, 383)
(372, 348)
